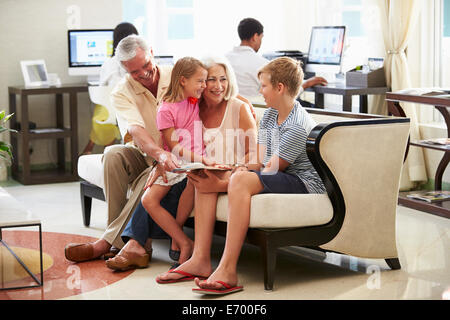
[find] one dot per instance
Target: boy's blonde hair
(184, 67)
(287, 71)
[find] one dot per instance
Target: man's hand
(314, 81)
(167, 161)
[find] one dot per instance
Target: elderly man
(126, 167)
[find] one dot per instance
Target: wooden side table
(441, 104)
(347, 92)
(59, 133)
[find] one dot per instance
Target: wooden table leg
(446, 158)
(60, 124)
(25, 132)
(319, 100)
(363, 104)
(395, 109)
(347, 103)
(14, 138)
(440, 171)
(74, 132)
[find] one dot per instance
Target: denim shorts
(281, 182)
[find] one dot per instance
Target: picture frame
(34, 73)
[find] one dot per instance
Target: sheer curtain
(398, 19)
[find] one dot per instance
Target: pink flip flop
(186, 277)
(226, 289)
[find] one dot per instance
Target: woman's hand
(206, 182)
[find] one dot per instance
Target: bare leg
(185, 206)
(151, 202)
(205, 218)
(242, 186)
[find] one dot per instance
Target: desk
(346, 92)
(58, 133)
(441, 104)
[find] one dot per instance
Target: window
(199, 27)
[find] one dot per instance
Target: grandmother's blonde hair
(184, 67)
(212, 60)
(287, 71)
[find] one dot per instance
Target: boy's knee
(237, 181)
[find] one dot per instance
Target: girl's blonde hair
(287, 71)
(184, 67)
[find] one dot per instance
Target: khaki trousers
(125, 169)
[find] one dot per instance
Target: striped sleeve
(292, 142)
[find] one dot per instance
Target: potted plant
(5, 148)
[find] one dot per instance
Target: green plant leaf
(8, 117)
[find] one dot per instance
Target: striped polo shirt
(288, 141)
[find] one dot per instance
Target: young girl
(181, 131)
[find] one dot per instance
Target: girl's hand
(208, 162)
(154, 174)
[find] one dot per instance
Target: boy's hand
(239, 168)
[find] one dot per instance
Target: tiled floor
(423, 242)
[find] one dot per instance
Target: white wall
(38, 30)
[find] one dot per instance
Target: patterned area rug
(62, 278)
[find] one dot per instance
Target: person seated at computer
(110, 74)
(246, 61)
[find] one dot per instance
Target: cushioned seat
(90, 168)
(299, 210)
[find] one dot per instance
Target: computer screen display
(89, 48)
(326, 45)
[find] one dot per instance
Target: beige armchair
(360, 162)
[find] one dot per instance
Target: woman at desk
(110, 73)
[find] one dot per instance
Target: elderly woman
(229, 134)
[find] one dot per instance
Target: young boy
(282, 167)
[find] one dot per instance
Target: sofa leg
(86, 204)
(394, 263)
(269, 255)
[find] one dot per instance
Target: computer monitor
(88, 49)
(165, 60)
(325, 49)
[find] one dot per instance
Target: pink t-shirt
(184, 117)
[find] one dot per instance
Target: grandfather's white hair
(126, 49)
(212, 60)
